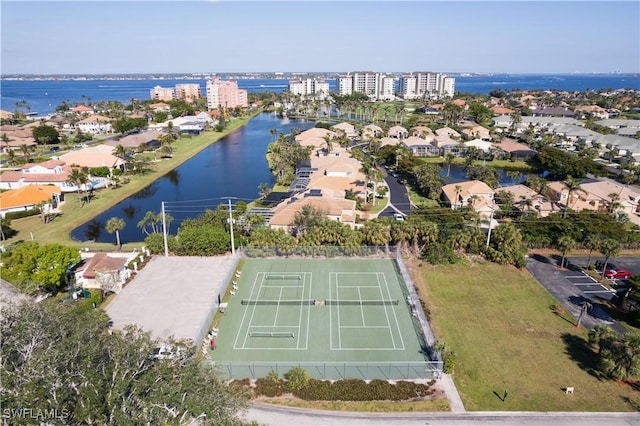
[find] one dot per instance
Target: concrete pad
(171, 296)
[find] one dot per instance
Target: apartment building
(309, 87)
(188, 92)
(375, 85)
(427, 85)
(225, 94)
(163, 93)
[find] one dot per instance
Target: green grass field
(322, 321)
(498, 321)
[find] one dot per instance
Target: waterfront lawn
(75, 214)
(498, 321)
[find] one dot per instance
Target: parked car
(165, 352)
(398, 217)
(617, 274)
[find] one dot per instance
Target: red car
(617, 273)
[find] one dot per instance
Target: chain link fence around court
(214, 306)
(368, 252)
(419, 318)
(334, 370)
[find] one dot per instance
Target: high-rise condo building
(225, 94)
(188, 92)
(427, 85)
(309, 87)
(162, 93)
(375, 85)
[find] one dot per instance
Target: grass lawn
(498, 321)
(74, 214)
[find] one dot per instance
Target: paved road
(399, 198)
(275, 415)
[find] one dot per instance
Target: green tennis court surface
(316, 314)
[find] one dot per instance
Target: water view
(234, 166)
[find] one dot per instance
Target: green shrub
(359, 390)
(99, 171)
(269, 388)
(449, 362)
(21, 214)
(297, 378)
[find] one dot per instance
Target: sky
(109, 37)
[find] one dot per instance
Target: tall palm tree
(78, 178)
(458, 191)
(26, 152)
(572, 188)
(448, 158)
(614, 204)
(591, 243)
(601, 335)
(115, 225)
(565, 244)
(609, 248)
(273, 133)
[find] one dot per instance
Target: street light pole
(493, 205)
(164, 232)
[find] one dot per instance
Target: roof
(447, 131)
(102, 262)
(27, 195)
(315, 132)
(285, 212)
(466, 189)
(416, 141)
(81, 108)
(605, 187)
(95, 119)
(501, 110)
(509, 145)
(96, 156)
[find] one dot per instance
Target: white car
(165, 352)
(399, 217)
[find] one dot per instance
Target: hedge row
(347, 390)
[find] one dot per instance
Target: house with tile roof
(95, 156)
(423, 132)
(468, 193)
(82, 109)
(607, 191)
(339, 209)
(102, 267)
(315, 132)
(420, 147)
(50, 172)
(148, 139)
(398, 132)
(516, 149)
(539, 203)
(580, 200)
(371, 131)
(349, 130)
(28, 197)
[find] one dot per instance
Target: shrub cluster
(347, 390)
(21, 214)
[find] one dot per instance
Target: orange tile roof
(27, 196)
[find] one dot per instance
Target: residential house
(82, 109)
(420, 147)
(371, 131)
(586, 111)
(95, 124)
(516, 150)
(398, 132)
(627, 198)
(474, 193)
(349, 130)
(580, 200)
(339, 209)
(500, 110)
(315, 137)
(553, 112)
(482, 145)
(423, 132)
(103, 270)
(477, 132)
(527, 200)
(96, 156)
(149, 140)
(50, 172)
(30, 196)
(160, 106)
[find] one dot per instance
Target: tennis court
(345, 315)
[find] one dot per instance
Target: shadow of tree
(633, 404)
(540, 258)
(578, 349)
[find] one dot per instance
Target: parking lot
(588, 285)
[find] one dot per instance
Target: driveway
(398, 198)
(572, 288)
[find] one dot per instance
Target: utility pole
(493, 205)
(233, 248)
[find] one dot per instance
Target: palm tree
(565, 244)
(572, 187)
(591, 243)
(273, 133)
(327, 139)
(614, 204)
(609, 248)
(115, 224)
(78, 178)
(620, 359)
(448, 158)
(458, 190)
(601, 335)
(122, 153)
(26, 152)
(264, 189)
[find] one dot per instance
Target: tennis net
(277, 302)
(271, 334)
(361, 302)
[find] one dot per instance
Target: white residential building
(370, 83)
(428, 85)
(309, 86)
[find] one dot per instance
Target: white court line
(306, 343)
(253, 287)
(275, 317)
(386, 314)
(599, 291)
(593, 283)
(364, 324)
(253, 312)
(330, 315)
(369, 326)
(386, 284)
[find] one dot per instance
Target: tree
(591, 243)
(609, 248)
(306, 218)
(565, 244)
(448, 159)
(45, 135)
(572, 187)
(33, 268)
(78, 177)
(601, 336)
(620, 357)
(264, 190)
(26, 152)
(115, 225)
(152, 222)
(506, 246)
(68, 361)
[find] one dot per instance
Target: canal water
(234, 166)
